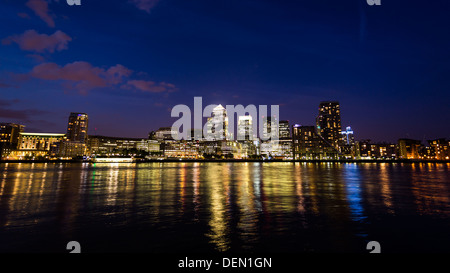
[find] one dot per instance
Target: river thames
(225, 207)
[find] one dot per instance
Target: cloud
(150, 86)
(31, 40)
(145, 5)
(81, 76)
(117, 73)
(24, 114)
(4, 85)
(40, 8)
(23, 15)
(36, 57)
(4, 103)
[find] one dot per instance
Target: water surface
(223, 207)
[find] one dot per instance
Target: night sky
(128, 62)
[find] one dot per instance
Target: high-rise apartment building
(307, 144)
(328, 122)
(78, 127)
(347, 146)
(348, 137)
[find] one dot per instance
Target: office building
(270, 128)
(245, 128)
(180, 149)
(120, 146)
(217, 124)
(37, 146)
(284, 131)
(164, 133)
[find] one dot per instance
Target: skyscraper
(77, 127)
(270, 128)
(217, 124)
(328, 122)
(284, 131)
(347, 136)
(347, 143)
(245, 128)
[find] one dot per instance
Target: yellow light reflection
(386, 187)
(218, 183)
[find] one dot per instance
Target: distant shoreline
(241, 161)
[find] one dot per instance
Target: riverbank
(241, 160)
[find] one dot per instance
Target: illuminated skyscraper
(328, 122)
(347, 143)
(347, 136)
(217, 124)
(245, 128)
(270, 128)
(77, 127)
(284, 132)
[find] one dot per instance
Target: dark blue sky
(128, 62)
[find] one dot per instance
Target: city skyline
(132, 61)
(339, 132)
(269, 137)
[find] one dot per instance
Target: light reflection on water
(219, 206)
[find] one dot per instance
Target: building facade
(328, 122)
(284, 130)
(347, 147)
(10, 133)
(439, 149)
(217, 124)
(9, 137)
(119, 146)
(308, 145)
(409, 148)
(77, 127)
(245, 128)
(37, 146)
